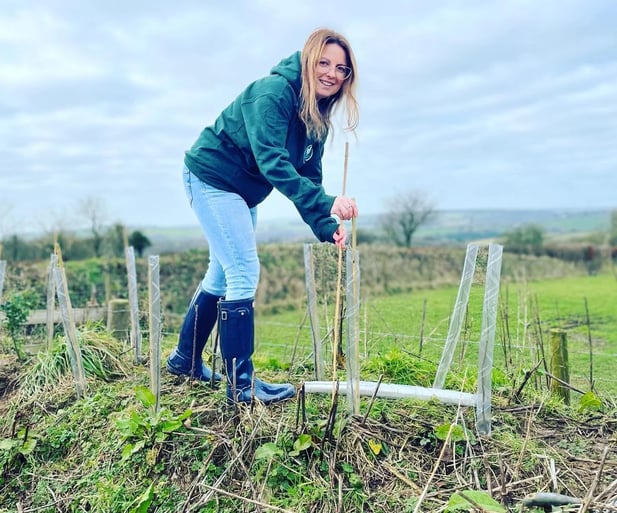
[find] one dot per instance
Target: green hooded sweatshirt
(259, 142)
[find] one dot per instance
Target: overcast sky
(476, 104)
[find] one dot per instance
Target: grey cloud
(485, 104)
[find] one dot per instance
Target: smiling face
(328, 71)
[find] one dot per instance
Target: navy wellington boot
(186, 359)
(237, 333)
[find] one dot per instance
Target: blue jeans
(229, 227)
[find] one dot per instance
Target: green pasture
(415, 326)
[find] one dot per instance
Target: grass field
(112, 450)
(527, 313)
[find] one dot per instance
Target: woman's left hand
(340, 236)
(344, 208)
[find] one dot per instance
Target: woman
(271, 135)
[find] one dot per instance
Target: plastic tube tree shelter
(311, 296)
(154, 302)
(352, 317)
(68, 322)
(129, 254)
(456, 321)
(482, 398)
(487, 338)
(51, 302)
(2, 275)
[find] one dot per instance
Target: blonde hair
(317, 115)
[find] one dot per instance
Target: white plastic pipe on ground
(393, 391)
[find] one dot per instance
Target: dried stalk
(435, 467)
(592, 489)
(526, 440)
(215, 489)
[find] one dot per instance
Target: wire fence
(518, 347)
(383, 341)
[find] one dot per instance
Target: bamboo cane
(339, 279)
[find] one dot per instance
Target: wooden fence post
(118, 318)
(559, 364)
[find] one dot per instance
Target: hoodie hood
(259, 142)
(290, 68)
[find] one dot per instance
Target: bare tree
(93, 209)
(54, 226)
(405, 213)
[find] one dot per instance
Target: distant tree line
(108, 242)
(405, 213)
(97, 240)
(530, 239)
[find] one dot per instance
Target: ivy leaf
(6, 444)
(28, 446)
(303, 442)
(458, 502)
(267, 451)
(457, 435)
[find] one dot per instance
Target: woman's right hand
(344, 208)
(340, 236)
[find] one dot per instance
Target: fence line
(380, 336)
(80, 315)
(385, 334)
(95, 313)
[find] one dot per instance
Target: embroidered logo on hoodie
(308, 153)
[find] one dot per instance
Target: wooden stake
(560, 366)
(588, 323)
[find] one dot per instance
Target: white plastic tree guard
(311, 296)
(154, 311)
(129, 254)
(2, 275)
(482, 398)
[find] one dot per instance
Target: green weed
(147, 428)
(16, 309)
